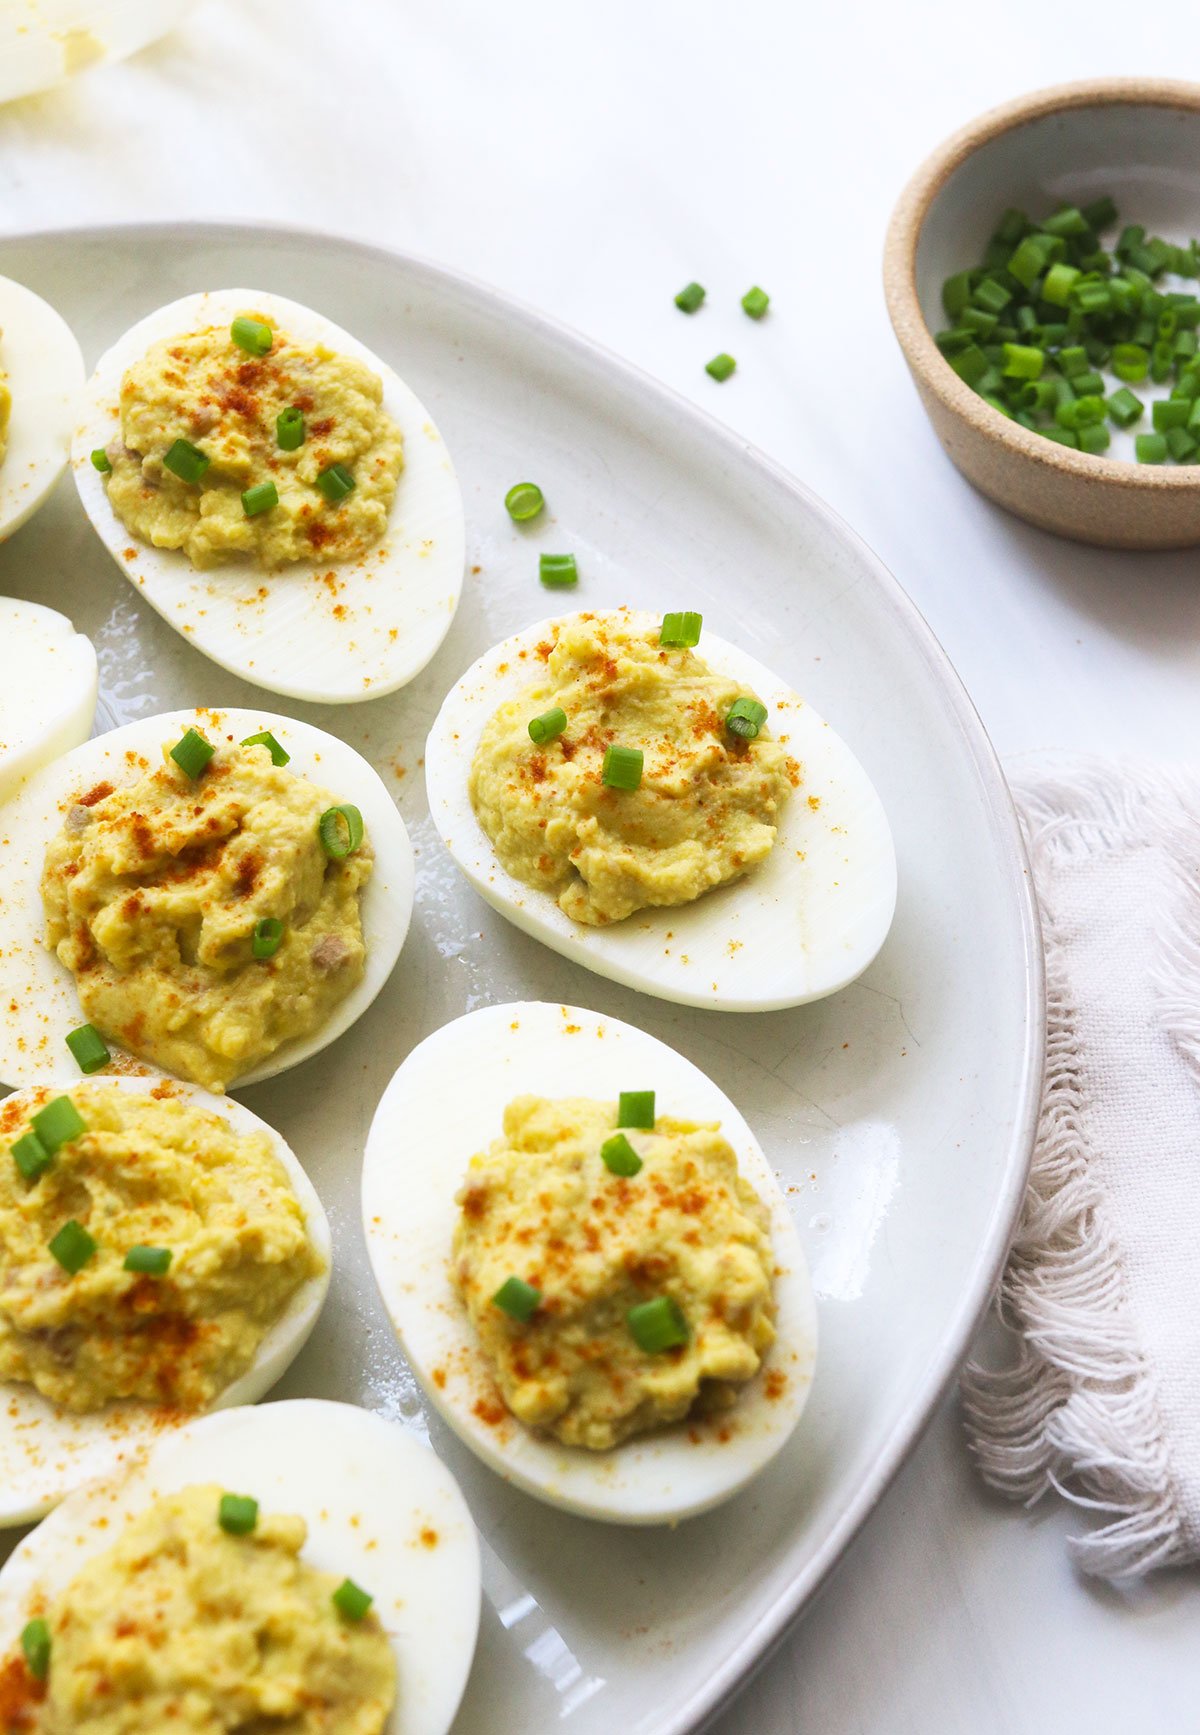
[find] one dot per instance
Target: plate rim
(735, 1670)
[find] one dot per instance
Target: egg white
(445, 1104)
(48, 682)
(801, 925)
(45, 1451)
(42, 359)
(368, 630)
(38, 1001)
(367, 1491)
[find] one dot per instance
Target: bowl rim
(912, 331)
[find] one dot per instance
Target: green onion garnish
(57, 1124)
(186, 461)
(548, 726)
(31, 1156)
(340, 830)
(622, 768)
(619, 1156)
(520, 1300)
(100, 461)
(524, 501)
(635, 1108)
(1170, 413)
(264, 738)
(351, 1600)
(690, 297)
(35, 1644)
(335, 483)
(1022, 361)
(192, 753)
(72, 1247)
(268, 932)
(261, 498)
(1150, 448)
(745, 717)
(755, 302)
(237, 1514)
(1125, 408)
(681, 629)
(657, 1325)
(721, 366)
(558, 571)
(149, 1261)
(251, 335)
(289, 429)
(88, 1047)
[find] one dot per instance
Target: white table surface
(592, 159)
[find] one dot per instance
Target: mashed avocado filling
(706, 809)
(203, 389)
(152, 893)
(182, 1626)
(150, 1172)
(541, 1205)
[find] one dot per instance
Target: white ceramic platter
(898, 1113)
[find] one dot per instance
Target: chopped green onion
(1059, 282)
(35, 1644)
(558, 571)
(264, 738)
(622, 768)
(745, 717)
(681, 629)
(192, 753)
(88, 1047)
(721, 366)
(237, 1514)
(335, 483)
(289, 429)
(1125, 408)
(1023, 362)
(72, 1247)
(341, 831)
(149, 1261)
(690, 297)
(57, 1124)
(1060, 436)
(520, 1300)
(261, 498)
(635, 1108)
(252, 335)
(1170, 413)
(31, 1156)
(1100, 214)
(657, 1325)
(100, 461)
(548, 726)
(351, 1600)
(1180, 444)
(755, 302)
(991, 296)
(268, 932)
(186, 461)
(619, 1156)
(956, 293)
(1074, 360)
(1150, 448)
(1094, 439)
(1069, 221)
(524, 501)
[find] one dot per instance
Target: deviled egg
(276, 492)
(662, 809)
(218, 894)
(48, 682)
(228, 1580)
(41, 378)
(588, 1261)
(162, 1253)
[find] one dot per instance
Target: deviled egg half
(588, 1261)
(659, 807)
(41, 378)
(48, 682)
(276, 492)
(213, 894)
(162, 1253)
(230, 1580)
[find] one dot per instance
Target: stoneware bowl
(1138, 139)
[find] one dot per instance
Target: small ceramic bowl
(1138, 139)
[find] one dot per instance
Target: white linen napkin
(1101, 1399)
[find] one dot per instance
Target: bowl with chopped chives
(1042, 273)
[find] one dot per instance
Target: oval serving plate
(899, 1114)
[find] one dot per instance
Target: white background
(592, 159)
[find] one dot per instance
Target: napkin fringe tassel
(1077, 1411)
